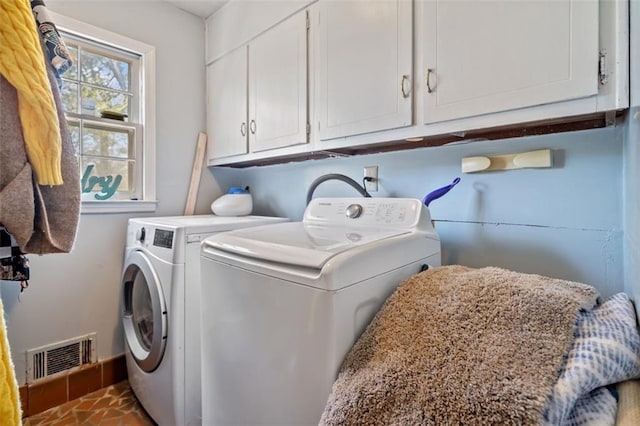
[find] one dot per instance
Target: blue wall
(564, 222)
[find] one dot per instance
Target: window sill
(124, 206)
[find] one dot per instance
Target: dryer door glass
(145, 312)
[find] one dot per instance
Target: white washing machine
(161, 310)
(286, 302)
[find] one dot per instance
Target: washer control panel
(397, 212)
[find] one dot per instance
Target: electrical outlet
(372, 184)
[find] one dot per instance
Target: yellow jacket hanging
(22, 63)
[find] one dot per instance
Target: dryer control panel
(163, 238)
(162, 242)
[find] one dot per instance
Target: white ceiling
(203, 8)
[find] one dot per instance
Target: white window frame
(147, 53)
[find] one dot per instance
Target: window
(109, 105)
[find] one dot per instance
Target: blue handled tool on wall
(437, 193)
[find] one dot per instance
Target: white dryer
(286, 302)
(161, 310)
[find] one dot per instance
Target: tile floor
(115, 405)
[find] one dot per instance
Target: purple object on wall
(437, 193)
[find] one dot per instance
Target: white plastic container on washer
(236, 202)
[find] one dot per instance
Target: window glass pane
(72, 73)
(107, 179)
(104, 77)
(106, 142)
(107, 100)
(69, 96)
(103, 71)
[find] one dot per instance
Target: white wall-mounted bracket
(532, 159)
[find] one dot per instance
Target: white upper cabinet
(353, 77)
(364, 66)
(227, 105)
(257, 94)
(278, 86)
(239, 21)
(482, 57)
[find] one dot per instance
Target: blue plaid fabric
(606, 351)
(57, 52)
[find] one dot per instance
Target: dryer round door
(145, 313)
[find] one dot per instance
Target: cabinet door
(489, 56)
(227, 105)
(278, 86)
(364, 66)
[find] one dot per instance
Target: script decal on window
(106, 185)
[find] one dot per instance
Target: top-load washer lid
(339, 242)
(330, 226)
(298, 243)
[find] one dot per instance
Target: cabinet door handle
(405, 78)
(243, 129)
(252, 127)
(429, 71)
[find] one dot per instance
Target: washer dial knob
(354, 211)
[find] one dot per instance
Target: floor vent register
(62, 356)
